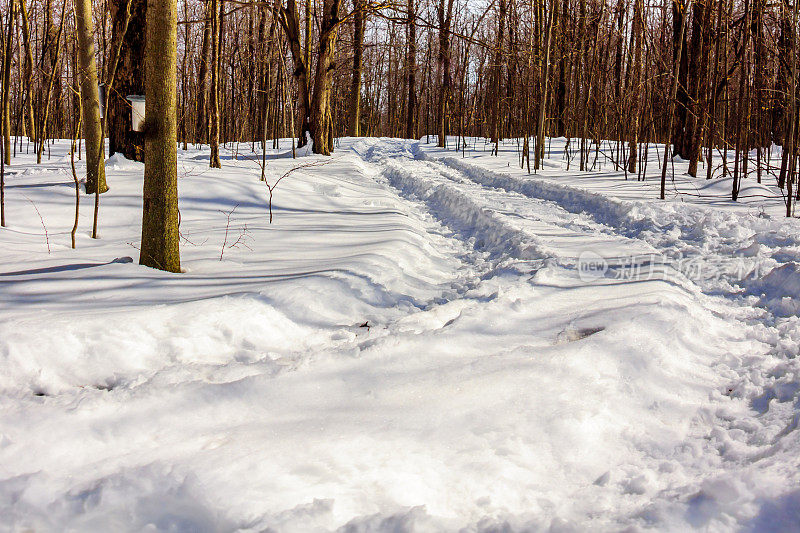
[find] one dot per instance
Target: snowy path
(528, 218)
(497, 383)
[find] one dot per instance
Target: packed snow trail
(503, 223)
(407, 348)
(741, 253)
(502, 213)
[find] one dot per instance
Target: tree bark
(561, 87)
(544, 78)
(680, 42)
(411, 65)
(6, 100)
(358, 54)
(445, 14)
(90, 99)
(497, 73)
(696, 73)
(30, 125)
(216, 8)
(320, 123)
(201, 118)
(129, 79)
(160, 218)
(635, 78)
(290, 22)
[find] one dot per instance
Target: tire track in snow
(511, 216)
(503, 224)
(713, 240)
(717, 248)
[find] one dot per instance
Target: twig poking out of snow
(243, 235)
(46, 236)
(271, 188)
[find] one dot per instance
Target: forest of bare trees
(708, 79)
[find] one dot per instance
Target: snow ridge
(487, 230)
(721, 247)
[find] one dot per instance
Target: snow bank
(118, 162)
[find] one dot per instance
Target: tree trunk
(411, 65)
(201, 117)
(497, 73)
(790, 146)
(358, 54)
(90, 99)
(320, 124)
(696, 74)
(55, 54)
(160, 247)
(445, 13)
(682, 104)
(544, 78)
(561, 87)
(678, 41)
(6, 111)
(290, 22)
(52, 55)
(216, 8)
(30, 125)
(780, 121)
(635, 81)
(129, 79)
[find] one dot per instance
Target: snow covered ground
(422, 340)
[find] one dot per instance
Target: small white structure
(137, 111)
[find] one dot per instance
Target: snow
(413, 344)
(779, 289)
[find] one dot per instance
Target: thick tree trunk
(682, 104)
(160, 246)
(691, 148)
(90, 99)
(742, 111)
(129, 79)
(290, 21)
(320, 103)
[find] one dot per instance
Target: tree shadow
(64, 268)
